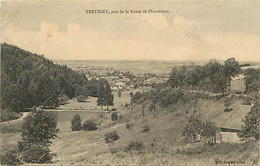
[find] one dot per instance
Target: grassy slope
(164, 144)
(161, 143)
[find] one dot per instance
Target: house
(229, 124)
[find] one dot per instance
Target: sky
(192, 30)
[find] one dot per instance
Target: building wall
(230, 137)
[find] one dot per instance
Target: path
(15, 120)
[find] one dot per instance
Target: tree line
(213, 77)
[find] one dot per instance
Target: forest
(28, 80)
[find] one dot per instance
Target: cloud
(151, 37)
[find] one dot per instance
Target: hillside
(163, 144)
(29, 79)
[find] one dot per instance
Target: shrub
(247, 101)
(37, 154)
(114, 116)
(119, 93)
(146, 128)
(81, 98)
(10, 158)
(135, 145)
(131, 94)
(89, 125)
(113, 150)
(111, 136)
(136, 97)
(227, 102)
(76, 123)
(113, 109)
(127, 126)
(63, 99)
(120, 116)
(6, 115)
(228, 109)
(127, 105)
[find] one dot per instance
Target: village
(120, 80)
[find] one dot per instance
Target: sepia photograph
(119, 82)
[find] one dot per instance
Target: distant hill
(29, 80)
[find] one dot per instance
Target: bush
(127, 105)
(6, 115)
(247, 101)
(131, 94)
(63, 99)
(111, 136)
(120, 116)
(37, 154)
(89, 125)
(136, 97)
(227, 102)
(135, 145)
(10, 158)
(146, 128)
(114, 116)
(128, 125)
(76, 123)
(113, 150)
(81, 98)
(228, 109)
(119, 93)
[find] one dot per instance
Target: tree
(105, 96)
(37, 131)
(231, 69)
(109, 96)
(215, 73)
(76, 123)
(196, 127)
(177, 77)
(251, 127)
(252, 80)
(219, 82)
(191, 76)
(193, 129)
(209, 131)
(101, 96)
